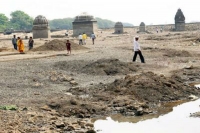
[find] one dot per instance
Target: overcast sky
(132, 11)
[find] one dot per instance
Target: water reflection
(177, 121)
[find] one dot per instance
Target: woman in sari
(20, 46)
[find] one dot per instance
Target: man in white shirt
(137, 50)
(80, 37)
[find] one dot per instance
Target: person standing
(68, 45)
(161, 29)
(30, 43)
(84, 38)
(137, 50)
(14, 42)
(93, 37)
(80, 37)
(20, 45)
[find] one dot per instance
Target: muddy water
(177, 121)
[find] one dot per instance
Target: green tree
(3, 22)
(3, 19)
(65, 23)
(21, 20)
(104, 23)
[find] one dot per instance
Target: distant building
(119, 28)
(41, 28)
(142, 27)
(84, 23)
(179, 21)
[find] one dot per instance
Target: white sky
(132, 11)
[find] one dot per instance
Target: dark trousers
(15, 46)
(93, 40)
(80, 42)
(30, 46)
(140, 54)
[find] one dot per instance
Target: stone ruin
(41, 28)
(142, 27)
(84, 23)
(119, 28)
(179, 21)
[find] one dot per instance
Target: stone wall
(180, 26)
(142, 29)
(41, 34)
(119, 30)
(84, 27)
(171, 27)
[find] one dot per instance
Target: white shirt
(136, 45)
(80, 37)
(93, 36)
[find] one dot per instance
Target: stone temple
(84, 23)
(179, 21)
(142, 27)
(119, 28)
(41, 28)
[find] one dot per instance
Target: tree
(3, 22)
(65, 23)
(3, 19)
(104, 23)
(21, 20)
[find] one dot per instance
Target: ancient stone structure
(142, 27)
(41, 28)
(84, 23)
(119, 28)
(179, 21)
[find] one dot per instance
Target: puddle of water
(177, 121)
(197, 86)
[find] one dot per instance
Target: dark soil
(99, 67)
(190, 76)
(130, 96)
(58, 45)
(176, 53)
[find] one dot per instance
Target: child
(30, 43)
(68, 45)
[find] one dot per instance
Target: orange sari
(20, 46)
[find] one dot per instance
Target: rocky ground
(55, 92)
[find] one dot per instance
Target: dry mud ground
(55, 92)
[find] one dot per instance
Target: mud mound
(151, 87)
(176, 53)
(190, 76)
(81, 108)
(109, 67)
(99, 67)
(130, 96)
(58, 45)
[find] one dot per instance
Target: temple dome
(119, 24)
(142, 24)
(84, 17)
(179, 17)
(40, 20)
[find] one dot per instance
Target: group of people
(82, 38)
(18, 44)
(161, 30)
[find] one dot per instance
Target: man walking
(80, 37)
(14, 42)
(137, 50)
(93, 37)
